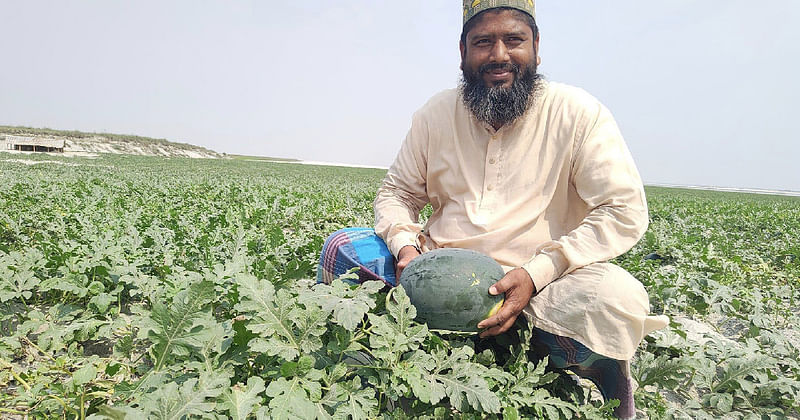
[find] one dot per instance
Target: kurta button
(490, 188)
(492, 161)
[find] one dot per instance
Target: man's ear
(463, 49)
(536, 50)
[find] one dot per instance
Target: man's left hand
(518, 287)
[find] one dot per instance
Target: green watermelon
(450, 288)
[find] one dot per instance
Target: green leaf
(665, 371)
(195, 397)
(284, 328)
(416, 372)
(348, 304)
(547, 406)
(216, 341)
(17, 279)
(520, 384)
(290, 400)
(400, 308)
(182, 325)
(360, 404)
(241, 401)
(117, 413)
(102, 302)
(456, 377)
(84, 375)
(95, 288)
(722, 402)
(510, 413)
(340, 340)
(396, 333)
(737, 372)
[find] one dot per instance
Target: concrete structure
(32, 144)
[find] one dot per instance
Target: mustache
(496, 104)
(509, 67)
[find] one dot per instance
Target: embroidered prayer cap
(473, 7)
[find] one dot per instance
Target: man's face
(498, 60)
(498, 42)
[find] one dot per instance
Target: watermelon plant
(138, 287)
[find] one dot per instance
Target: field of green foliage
(138, 287)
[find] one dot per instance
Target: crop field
(139, 287)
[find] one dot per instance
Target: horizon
(273, 159)
(703, 92)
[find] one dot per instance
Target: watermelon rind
(449, 287)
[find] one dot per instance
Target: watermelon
(449, 287)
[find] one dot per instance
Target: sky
(705, 92)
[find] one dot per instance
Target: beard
(497, 105)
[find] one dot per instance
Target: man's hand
(519, 288)
(406, 254)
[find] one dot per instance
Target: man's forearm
(396, 218)
(604, 234)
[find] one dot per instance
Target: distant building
(33, 144)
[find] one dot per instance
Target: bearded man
(536, 175)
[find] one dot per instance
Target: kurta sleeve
(403, 192)
(606, 179)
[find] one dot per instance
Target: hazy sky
(706, 92)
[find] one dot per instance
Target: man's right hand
(406, 254)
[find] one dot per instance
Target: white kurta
(555, 192)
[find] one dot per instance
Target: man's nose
(499, 53)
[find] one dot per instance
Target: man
(536, 175)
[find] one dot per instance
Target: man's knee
(631, 291)
(615, 286)
(601, 305)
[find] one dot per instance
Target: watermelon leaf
(283, 327)
(348, 304)
(241, 401)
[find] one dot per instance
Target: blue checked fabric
(356, 248)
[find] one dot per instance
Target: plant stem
(24, 302)
(9, 366)
(38, 348)
(12, 411)
(63, 404)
